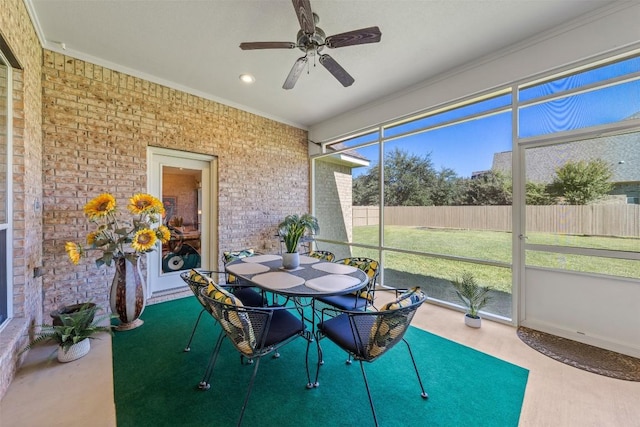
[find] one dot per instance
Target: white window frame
(8, 226)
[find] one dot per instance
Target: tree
(538, 194)
(448, 188)
(366, 189)
(409, 180)
(582, 182)
(490, 188)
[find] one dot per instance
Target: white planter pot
(74, 352)
(290, 261)
(473, 322)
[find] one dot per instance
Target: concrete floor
(48, 393)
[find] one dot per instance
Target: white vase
(76, 351)
(473, 322)
(290, 260)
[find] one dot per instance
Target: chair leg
(424, 393)
(314, 337)
(204, 384)
(251, 382)
(366, 383)
(306, 365)
(188, 347)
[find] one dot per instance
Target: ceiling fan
(312, 40)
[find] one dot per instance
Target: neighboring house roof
(622, 152)
(350, 158)
(341, 146)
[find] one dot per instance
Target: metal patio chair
(362, 298)
(321, 255)
(367, 335)
(199, 279)
(255, 332)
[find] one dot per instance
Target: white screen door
(185, 182)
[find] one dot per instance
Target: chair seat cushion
(196, 276)
(409, 297)
(249, 297)
(236, 323)
(229, 256)
(346, 302)
(284, 325)
(370, 267)
(234, 255)
(323, 255)
(338, 330)
(388, 329)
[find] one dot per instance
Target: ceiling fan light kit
(311, 40)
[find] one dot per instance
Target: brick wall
(84, 129)
(97, 124)
(18, 33)
(333, 199)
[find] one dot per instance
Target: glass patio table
(312, 279)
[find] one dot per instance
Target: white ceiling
(192, 45)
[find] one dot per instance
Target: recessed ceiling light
(247, 78)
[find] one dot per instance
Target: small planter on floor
(473, 296)
(473, 322)
(72, 334)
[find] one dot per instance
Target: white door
(185, 182)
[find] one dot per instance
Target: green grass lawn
(492, 246)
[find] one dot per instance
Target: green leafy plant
(538, 194)
(582, 182)
(293, 228)
(75, 327)
(474, 296)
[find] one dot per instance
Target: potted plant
(474, 297)
(73, 334)
(291, 231)
(71, 310)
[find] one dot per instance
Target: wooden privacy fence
(594, 220)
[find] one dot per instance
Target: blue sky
(469, 147)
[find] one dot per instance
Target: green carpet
(155, 381)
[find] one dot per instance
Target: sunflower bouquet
(116, 238)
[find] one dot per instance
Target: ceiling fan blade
(295, 72)
(267, 45)
(350, 38)
(305, 16)
(337, 71)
